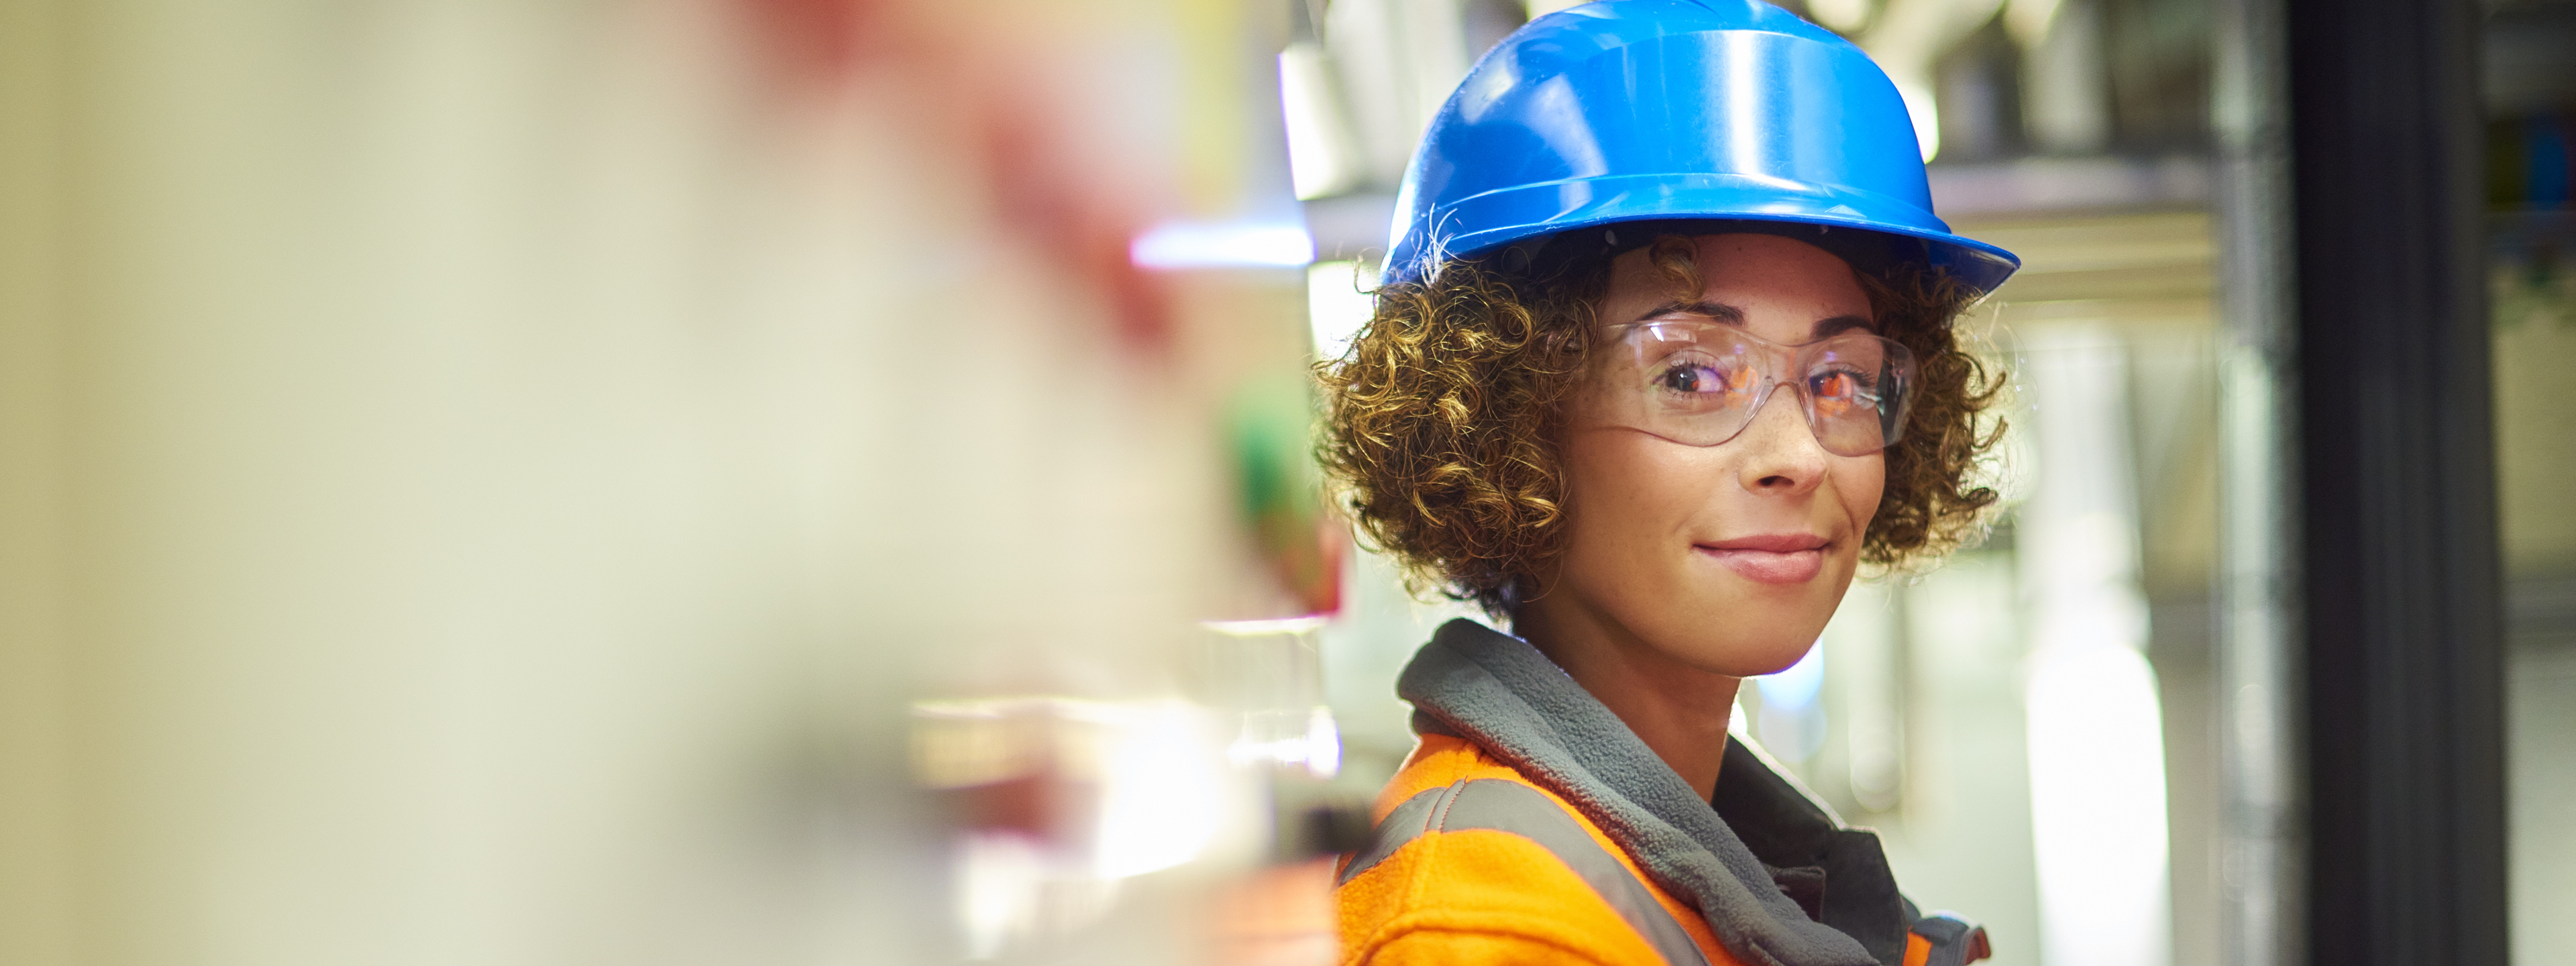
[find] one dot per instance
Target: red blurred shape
(1073, 213)
(815, 40)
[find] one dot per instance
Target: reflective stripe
(1951, 940)
(1509, 806)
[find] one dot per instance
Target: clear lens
(1699, 382)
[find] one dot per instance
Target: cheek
(1623, 482)
(1619, 511)
(1861, 481)
(1598, 486)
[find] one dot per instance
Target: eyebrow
(1827, 328)
(1730, 315)
(1724, 313)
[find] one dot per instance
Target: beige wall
(2535, 376)
(480, 481)
(36, 864)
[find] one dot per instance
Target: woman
(1663, 355)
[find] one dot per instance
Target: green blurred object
(1269, 428)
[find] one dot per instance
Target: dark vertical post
(2404, 652)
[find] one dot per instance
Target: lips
(1771, 558)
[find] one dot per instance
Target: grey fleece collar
(1504, 695)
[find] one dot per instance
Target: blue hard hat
(1674, 111)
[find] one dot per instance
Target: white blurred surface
(483, 480)
(2097, 763)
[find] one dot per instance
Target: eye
(1690, 378)
(1702, 377)
(1839, 391)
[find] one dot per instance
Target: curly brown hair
(1441, 436)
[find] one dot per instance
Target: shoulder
(1461, 871)
(1437, 762)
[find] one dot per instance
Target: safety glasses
(1698, 381)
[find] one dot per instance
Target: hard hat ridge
(1674, 111)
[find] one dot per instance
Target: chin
(1779, 656)
(1760, 636)
(1772, 656)
(1760, 645)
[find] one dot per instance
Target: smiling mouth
(1771, 559)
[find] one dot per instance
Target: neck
(1680, 711)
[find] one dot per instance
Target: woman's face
(1726, 558)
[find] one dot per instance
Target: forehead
(1760, 275)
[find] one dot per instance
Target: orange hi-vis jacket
(1531, 826)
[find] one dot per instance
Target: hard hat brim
(1516, 215)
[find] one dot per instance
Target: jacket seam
(1415, 908)
(1410, 923)
(1435, 821)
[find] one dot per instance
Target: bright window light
(1796, 687)
(1920, 106)
(1335, 306)
(1181, 244)
(2097, 793)
(2095, 731)
(1159, 790)
(1793, 721)
(1321, 157)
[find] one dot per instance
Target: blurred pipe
(2028, 21)
(1399, 59)
(1873, 670)
(2066, 87)
(1323, 154)
(2261, 844)
(1908, 40)
(2097, 789)
(1841, 16)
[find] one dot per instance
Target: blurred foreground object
(669, 481)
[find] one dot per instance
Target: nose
(1781, 456)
